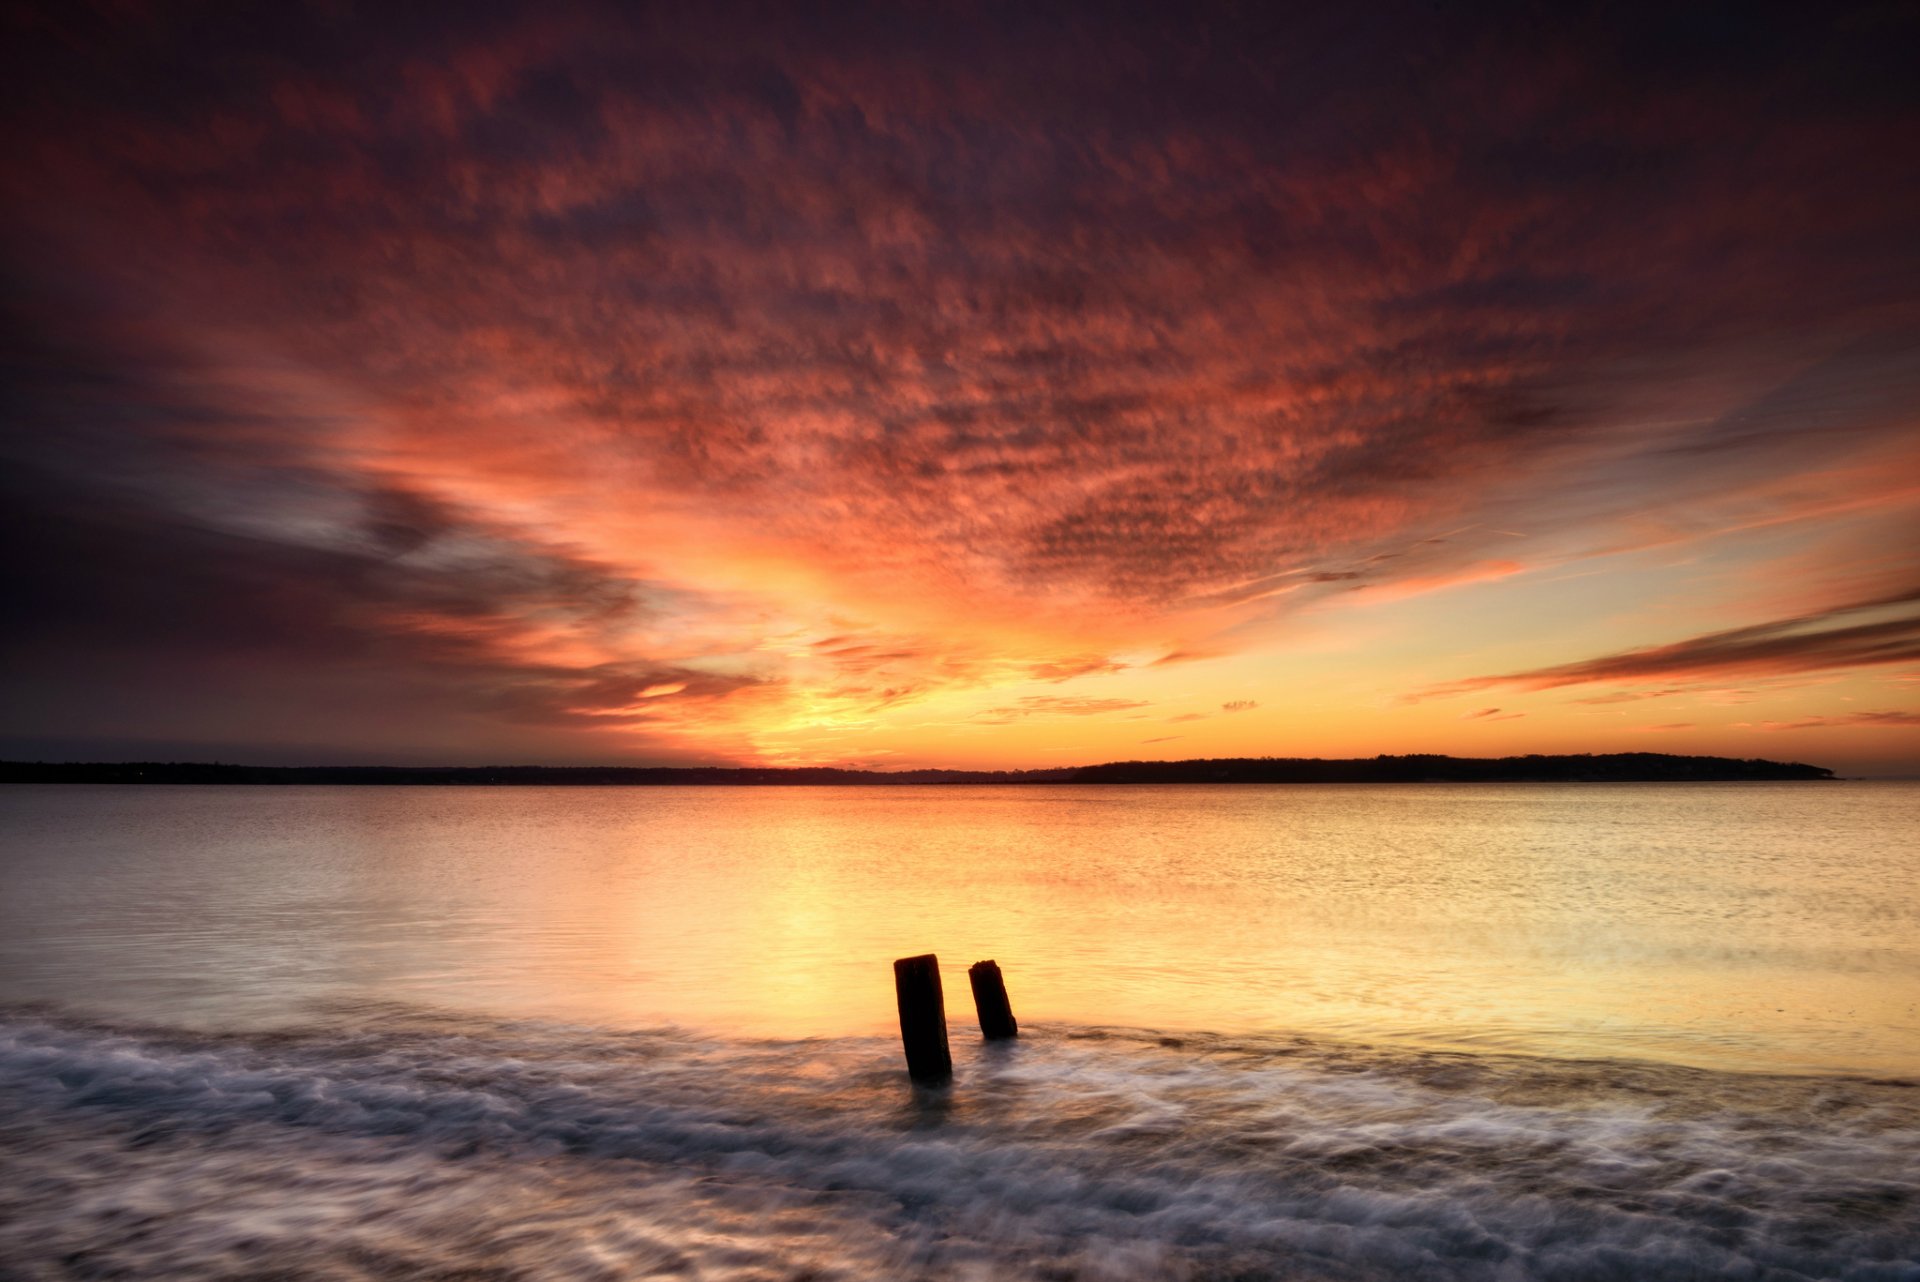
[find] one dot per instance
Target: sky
(959, 385)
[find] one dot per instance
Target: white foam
(592, 1154)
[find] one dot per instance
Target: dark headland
(1617, 767)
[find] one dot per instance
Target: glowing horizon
(581, 387)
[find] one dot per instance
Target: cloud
(1068, 669)
(1186, 656)
(633, 693)
(1890, 719)
(1049, 706)
(1663, 728)
(1399, 586)
(1635, 696)
(1080, 435)
(315, 605)
(1239, 705)
(1818, 642)
(547, 349)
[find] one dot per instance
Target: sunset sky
(960, 385)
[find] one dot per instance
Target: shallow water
(1310, 1033)
(400, 1144)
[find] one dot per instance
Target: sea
(1312, 1032)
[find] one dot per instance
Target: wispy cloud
(1068, 669)
(1040, 705)
(1824, 641)
(1890, 720)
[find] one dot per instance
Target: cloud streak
(1049, 706)
(1886, 720)
(1819, 642)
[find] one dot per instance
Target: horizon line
(1382, 767)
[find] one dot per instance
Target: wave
(387, 1142)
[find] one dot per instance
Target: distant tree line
(1617, 767)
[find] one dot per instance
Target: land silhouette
(1617, 767)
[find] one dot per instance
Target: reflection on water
(1768, 925)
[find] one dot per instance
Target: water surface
(1339, 1034)
(1730, 925)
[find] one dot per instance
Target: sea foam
(402, 1143)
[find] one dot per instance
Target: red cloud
(990, 357)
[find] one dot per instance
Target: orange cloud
(1809, 643)
(1055, 706)
(1890, 720)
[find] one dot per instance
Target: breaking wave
(390, 1143)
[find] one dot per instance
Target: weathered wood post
(923, 1019)
(990, 1000)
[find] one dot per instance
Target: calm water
(1338, 1032)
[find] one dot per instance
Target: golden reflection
(1720, 924)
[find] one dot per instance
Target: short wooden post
(990, 1000)
(923, 1019)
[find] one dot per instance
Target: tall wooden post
(990, 1000)
(923, 1019)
